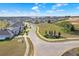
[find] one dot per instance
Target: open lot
(15, 47)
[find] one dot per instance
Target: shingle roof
(4, 32)
(17, 24)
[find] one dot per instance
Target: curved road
(43, 48)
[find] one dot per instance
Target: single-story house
(11, 31)
(4, 34)
(16, 28)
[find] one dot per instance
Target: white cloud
(40, 5)
(77, 7)
(61, 4)
(58, 5)
(49, 11)
(65, 4)
(3, 11)
(52, 11)
(59, 10)
(17, 11)
(36, 4)
(35, 8)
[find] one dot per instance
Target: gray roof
(4, 32)
(17, 24)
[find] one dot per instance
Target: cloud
(3, 11)
(36, 4)
(35, 8)
(49, 11)
(59, 10)
(40, 4)
(77, 7)
(17, 11)
(61, 4)
(52, 11)
(58, 5)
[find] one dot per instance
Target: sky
(39, 9)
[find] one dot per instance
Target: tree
(72, 28)
(46, 34)
(59, 34)
(49, 21)
(50, 34)
(54, 33)
(36, 22)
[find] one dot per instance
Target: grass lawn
(46, 27)
(13, 47)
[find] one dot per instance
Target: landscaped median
(46, 39)
(53, 40)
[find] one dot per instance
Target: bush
(52, 34)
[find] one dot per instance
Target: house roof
(4, 32)
(17, 24)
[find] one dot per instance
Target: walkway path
(27, 45)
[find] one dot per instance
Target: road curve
(43, 48)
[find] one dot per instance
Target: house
(16, 28)
(4, 34)
(11, 31)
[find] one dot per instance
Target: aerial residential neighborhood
(30, 29)
(11, 31)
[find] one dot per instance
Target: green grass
(52, 27)
(3, 24)
(13, 47)
(46, 27)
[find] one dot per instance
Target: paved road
(43, 48)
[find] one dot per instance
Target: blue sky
(39, 9)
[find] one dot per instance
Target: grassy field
(3, 24)
(47, 26)
(15, 47)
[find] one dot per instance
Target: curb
(58, 40)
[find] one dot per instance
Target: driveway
(43, 48)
